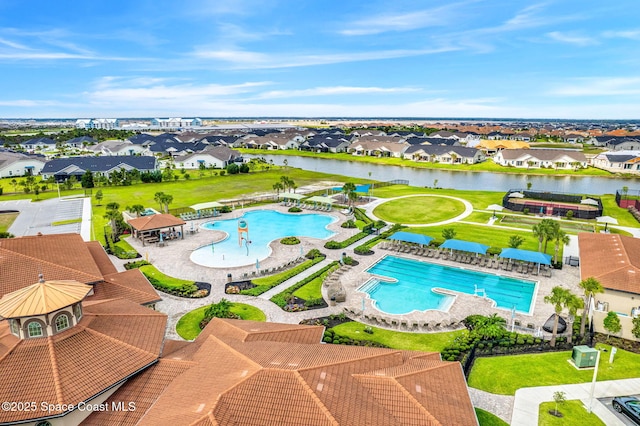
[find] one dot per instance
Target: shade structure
(589, 202)
(359, 188)
(526, 255)
(42, 298)
(462, 245)
(516, 195)
(321, 199)
(607, 220)
(495, 207)
(291, 196)
(208, 205)
(410, 237)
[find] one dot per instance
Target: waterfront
(464, 180)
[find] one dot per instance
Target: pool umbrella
(213, 248)
(257, 264)
(606, 220)
(495, 208)
(516, 195)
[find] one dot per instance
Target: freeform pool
(264, 227)
(412, 282)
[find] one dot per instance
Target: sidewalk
(527, 400)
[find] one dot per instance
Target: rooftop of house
(612, 259)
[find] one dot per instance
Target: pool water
(264, 227)
(408, 285)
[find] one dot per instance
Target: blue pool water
(264, 227)
(414, 281)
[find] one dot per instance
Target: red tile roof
(612, 259)
(155, 221)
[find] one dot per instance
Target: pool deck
(173, 259)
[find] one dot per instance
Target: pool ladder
(477, 291)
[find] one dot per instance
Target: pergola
(149, 229)
(526, 256)
(292, 196)
(410, 237)
(322, 200)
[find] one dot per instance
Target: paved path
(527, 400)
(500, 405)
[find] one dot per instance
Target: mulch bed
(237, 286)
(332, 321)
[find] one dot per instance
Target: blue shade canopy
(411, 238)
(526, 255)
(359, 188)
(465, 246)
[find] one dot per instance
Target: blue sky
(223, 58)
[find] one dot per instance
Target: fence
(551, 203)
(630, 198)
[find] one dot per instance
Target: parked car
(629, 405)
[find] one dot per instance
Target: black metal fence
(545, 202)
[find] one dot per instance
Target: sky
(563, 59)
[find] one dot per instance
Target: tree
(136, 208)
(515, 241)
(560, 237)
(560, 298)
(349, 190)
(113, 214)
(529, 185)
(590, 286)
(448, 233)
(233, 169)
(14, 183)
(491, 327)
(559, 397)
(636, 327)
(278, 187)
(542, 231)
(99, 196)
(573, 303)
(158, 197)
(87, 180)
(625, 190)
(612, 323)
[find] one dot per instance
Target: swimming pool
(264, 227)
(407, 285)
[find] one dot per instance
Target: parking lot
(622, 417)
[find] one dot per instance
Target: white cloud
(571, 39)
(335, 90)
(629, 34)
(602, 86)
(398, 22)
(242, 59)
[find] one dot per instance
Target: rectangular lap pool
(408, 285)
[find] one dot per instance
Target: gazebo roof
(321, 199)
(42, 298)
(291, 196)
(155, 221)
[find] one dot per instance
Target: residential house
(63, 168)
(39, 144)
(80, 142)
(272, 142)
(325, 144)
(616, 143)
(496, 136)
(98, 123)
(217, 157)
(444, 154)
(614, 260)
(618, 161)
(118, 147)
(14, 164)
(490, 147)
(523, 136)
(573, 138)
(378, 148)
(176, 123)
(441, 141)
(536, 158)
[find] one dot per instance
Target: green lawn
(6, 219)
(429, 342)
(486, 418)
(188, 327)
(311, 290)
(573, 413)
(505, 374)
(66, 222)
(171, 282)
(416, 210)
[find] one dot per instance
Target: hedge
(281, 277)
(280, 299)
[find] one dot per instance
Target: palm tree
(157, 197)
(543, 230)
(136, 208)
(560, 237)
(590, 286)
(491, 327)
(561, 298)
(573, 303)
(551, 228)
(278, 187)
(349, 190)
(538, 232)
(112, 215)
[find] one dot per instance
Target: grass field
(417, 210)
(505, 374)
(428, 342)
(6, 219)
(486, 418)
(150, 271)
(188, 326)
(573, 414)
(311, 290)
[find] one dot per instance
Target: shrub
(349, 224)
(327, 339)
(347, 260)
(313, 253)
(225, 209)
(135, 265)
(525, 210)
(294, 209)
(290, 241)
(570, 214)
(314, 302)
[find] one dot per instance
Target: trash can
(229, 278)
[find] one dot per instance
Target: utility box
(584, 356)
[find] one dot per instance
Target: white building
(14, 164)
(176, 123)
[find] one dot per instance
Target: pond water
(464, 180)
